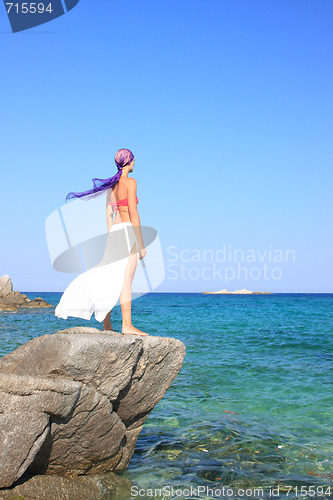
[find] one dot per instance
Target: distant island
(239, 292)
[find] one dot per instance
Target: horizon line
(205, 293)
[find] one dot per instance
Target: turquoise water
(268, 359)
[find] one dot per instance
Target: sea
(250, 414)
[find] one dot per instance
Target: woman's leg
(125, 298)
(107, 322)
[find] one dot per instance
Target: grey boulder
(74, 402)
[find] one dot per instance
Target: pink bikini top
(121, 203)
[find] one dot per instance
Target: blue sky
(227, 107)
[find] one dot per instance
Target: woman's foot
(132, 331)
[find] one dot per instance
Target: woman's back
(120, 189)
(119, 193)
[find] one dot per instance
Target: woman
(97, 290)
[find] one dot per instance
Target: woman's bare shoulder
(127, 181)
(131, 184)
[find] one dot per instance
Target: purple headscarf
(122, 158)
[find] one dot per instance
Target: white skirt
(98, 289)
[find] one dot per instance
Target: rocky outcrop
(75, 402)
(12, 301)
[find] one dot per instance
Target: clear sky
(227, 107)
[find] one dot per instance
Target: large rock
(102, 486)
(12, 301)
(25, 405)
(74, 402)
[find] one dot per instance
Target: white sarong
(97, 290)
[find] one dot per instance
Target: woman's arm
(133, 211)
(109, 211)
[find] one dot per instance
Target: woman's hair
(122, 158)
